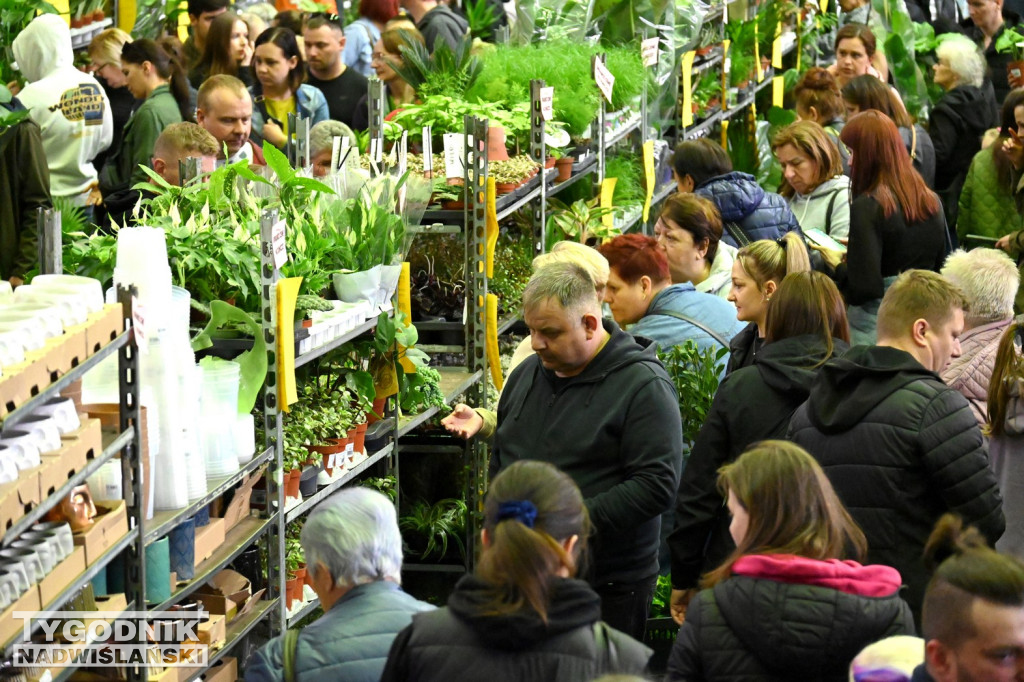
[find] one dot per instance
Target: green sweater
(986, 208)
(121, 170)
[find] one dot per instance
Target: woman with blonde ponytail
(523, 614)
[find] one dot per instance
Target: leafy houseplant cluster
(695, 374)
(427, 528)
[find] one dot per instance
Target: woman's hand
(95, 198)
(15, 87)
(679, 602)
(273, 134)
(463, 422)
(247, 55)
(832, 258)
(1004, 242)
(1014, 150)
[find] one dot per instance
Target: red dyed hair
(632, 256)
(381, 11)
(880, 166)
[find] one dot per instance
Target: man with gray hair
(353, 551)
(597, 403)
(989, 280)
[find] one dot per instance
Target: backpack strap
(289, 653)
(607, 655)
(696, 323)
(828, 211)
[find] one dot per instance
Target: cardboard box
(214, 632)
(75, 347)
(208, 539)
(109, 415)
(224, 670)
(225, 594)
(238, 509)
(103, 327)
(20, 383)
(112, 602)
(77, 449)
(62, 575)
(109, 526)
(11, 626)
(18, 498)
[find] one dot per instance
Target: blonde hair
(770, 260)
(917, 295)
(222, 80)
(989, 279)
(106, 46)
(586, 257)
(184, 137)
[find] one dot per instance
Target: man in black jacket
(24, 188)
(598, 404)
(900, 447)
(435, 21)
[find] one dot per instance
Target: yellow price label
(648, 176)
(687, 76)
(777, 47)
(607, 190)
(778, 90)
(757, 55)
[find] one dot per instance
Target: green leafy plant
(662, 598)
(582, 221)
(445, 72)
(15, 15)
(420, 390)
(629, 186)
(433, 525)
(386, 485)
(481, 18)
(695, 374)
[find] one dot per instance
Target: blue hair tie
(522, 511)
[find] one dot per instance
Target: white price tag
(453, 147)
(139, 326)
(332, 460)
(727, 66)
(547, 102)
(604, 79)
(649, 51)
(335, 152)
(375, 150)
(428, 150)
(278, 244)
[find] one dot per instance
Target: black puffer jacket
(788, 627)
(752, 404)
(463, 643)
(901, 448)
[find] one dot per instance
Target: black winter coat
(615, 429)
(901, 449)
(461, 642)
(997, 61)
(743, 348)
(741, 201)
(24, 188)
(757, 630)
(752, 404)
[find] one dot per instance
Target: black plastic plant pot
(307, 482)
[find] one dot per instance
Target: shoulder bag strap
(696, 323)
(607, 656)
(290, 650)
(828, 211)
(737, 233)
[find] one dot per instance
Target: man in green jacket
(24, 187)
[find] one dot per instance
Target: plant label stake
(604, 79)
(453, 147)
(403, 164)
(428, 153)
(547, 102)
(335, 152)
(139, 326)
(649, 51)
(278, 244)
(375, 150)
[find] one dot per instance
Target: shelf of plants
(454, 382)
(334, 344)
(350, 475)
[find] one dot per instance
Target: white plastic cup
(90, 289)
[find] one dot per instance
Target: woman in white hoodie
(813, 182)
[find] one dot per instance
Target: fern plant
(481, 18)
(445, 72)
(435, 524)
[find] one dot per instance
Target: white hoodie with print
(70, 107)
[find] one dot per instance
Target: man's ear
(919, 331)
(159, 166)
(940, 661)
(591, 323)
(200, 116)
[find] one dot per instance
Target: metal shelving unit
(328, 490)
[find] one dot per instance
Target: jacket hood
(826, 188)
(849, 387)
(788, 365)
(572, 604)
(969, 104)
(845, 576)
(43, 47)
(797, 628)
(736, 194)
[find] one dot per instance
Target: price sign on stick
(278, 244)
(649, 51)
(428, 151)
(604, 79)
(335, 152)
(453, 146)
(547, 102)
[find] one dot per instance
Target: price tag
(403, 164)
(604, 79)
(335, 152)
(757, 56)
(649, 51)
(547, 102)
(687, 76)
(139, 326)
(428, 151)
(277, 243)
(824, 6)
(607, 190)
(332, 461)
(375, 150)
(778, 90)
(777, 48)
(648, 176)
(453, 147)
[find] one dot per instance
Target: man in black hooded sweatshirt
(900, 447)
(599, 405)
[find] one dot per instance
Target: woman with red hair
(364, 32)
(896, 222)
(640, 293)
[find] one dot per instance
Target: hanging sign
(649, 51)
(778, 90)
(757, 56)
(648, 176)
(607, 191)
(777, 48)
(547, 102)
(278, 245)
(453, 147)
(687, 77)
(604, 79)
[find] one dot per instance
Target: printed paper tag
(278, 245)
(604, 79)
(139, 326)
(335, 152)
(454, 144)
(547, 102)
(649, 51)
(428, 150)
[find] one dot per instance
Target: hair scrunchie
(522, 511)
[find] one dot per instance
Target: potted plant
(696, 374)
(427, 528)
(1012, 41)
(295, 457)
(296, 571)
(582, 221)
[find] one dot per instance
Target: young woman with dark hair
(786, 604)
(227, 51)
(156, 78)
(896, 222)
(806, 325)
(279, 89)
(867, 92)
(640, 293)
(522, 614)
(856, 55)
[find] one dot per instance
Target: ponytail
(167, 67)
(770, 260)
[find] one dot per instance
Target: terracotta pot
(291, 483)
(564, 166)
(1015, 74)
(289, 591)
(326, 451)
(378, 410)
(359, 442)
(496, 150)
(701, 51)
(450, 205)
(505, 187)
(550, 162)
(98, 15)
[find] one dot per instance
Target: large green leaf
(253, 362)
